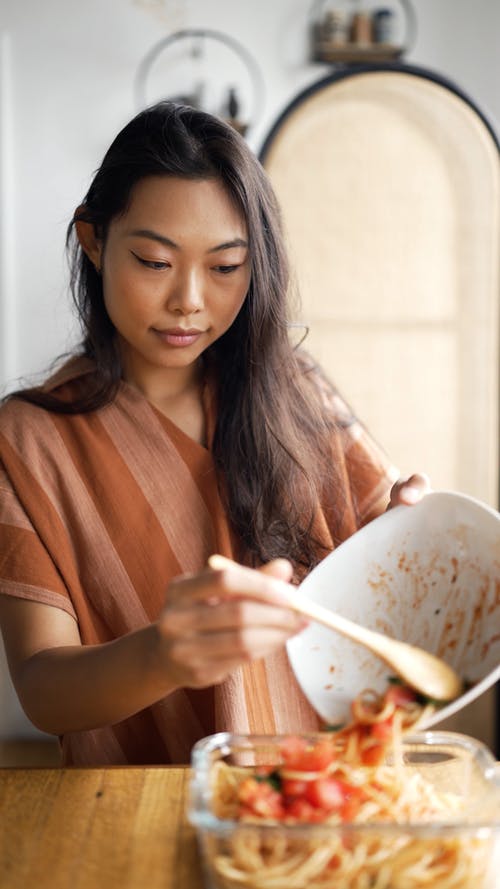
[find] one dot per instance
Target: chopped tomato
(373, 755)
(355, 796)
(245, 810)
(269, 805)
(400, 695)
(325, 793)
(301, 810)
(292, 748)
(247, 791)
(350, 809)
(358, 734)
(335, 862)
(291, 787)
(303, 758)
(352, 790)
(318, 758)
(259, 798)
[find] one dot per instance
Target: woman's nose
(187, 295)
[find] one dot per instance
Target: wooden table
(96, 828)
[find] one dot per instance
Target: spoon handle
(418, 668)
(336, 622)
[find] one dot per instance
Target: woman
(185, 425)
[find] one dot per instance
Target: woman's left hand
(409, 491)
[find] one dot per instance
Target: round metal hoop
(253, 69)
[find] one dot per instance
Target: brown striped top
(99, 511)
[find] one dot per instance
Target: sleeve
(26, 569)
(368, 471)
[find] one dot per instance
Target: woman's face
(176, 271)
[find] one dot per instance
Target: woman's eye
(152, 263)
(226, 269)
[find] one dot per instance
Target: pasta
(354, 787)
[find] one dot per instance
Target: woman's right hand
(217, 620)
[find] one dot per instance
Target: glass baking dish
(459, 851)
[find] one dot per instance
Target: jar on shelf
(335, 27)
(361, 28)
(383, 25)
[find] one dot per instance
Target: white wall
(67, 72)
(67, 86)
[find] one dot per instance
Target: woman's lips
(177, 336)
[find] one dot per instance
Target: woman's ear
(90, 243)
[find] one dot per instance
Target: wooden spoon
(419, 669)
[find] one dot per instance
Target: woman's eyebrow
(162, 239)
(236, 242)
(153, 236)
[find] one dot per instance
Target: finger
(280, 568)
(230, 580)
(185, 588)
(283, 569)
(411, 490)
(234, 614)
(237, 580)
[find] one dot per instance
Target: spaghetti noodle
(354, 786)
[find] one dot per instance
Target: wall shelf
(352, 53)
(361, 31)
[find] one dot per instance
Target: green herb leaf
(274, 779)
(334, 728)
(423, 699)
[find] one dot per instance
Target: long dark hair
(270, 441)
